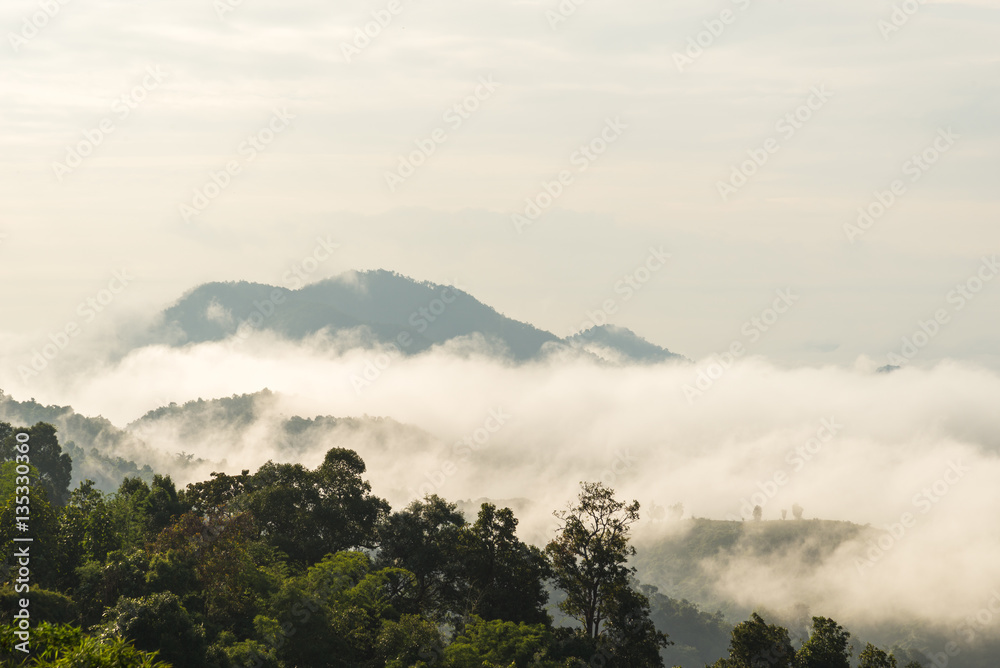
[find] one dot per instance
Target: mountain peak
(620, 344)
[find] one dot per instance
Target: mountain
(388, 307)
(378, 307)
(618, 344)
(247, 423)
(250, 426)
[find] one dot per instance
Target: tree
(505, 576)
(758, 513)
(140, 511)
(424, 538)
(756, 643)
(64, 646)
(873, 657)
(49, 567)
(164, 504)
(499, 643)
(55, 469)
(308, 514)
(335, 615)
(589, 554)
(630, 638)
(101, 585)
(828, 646)
(702, 637)
(85, 527)
(796, 511)
(212, 563)
(218, 495)
(157, 623)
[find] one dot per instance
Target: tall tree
(424, 539)
(310, 513)
(590, 552)
(828, 646)
(505, 576)
(756, 643)
(873, 657)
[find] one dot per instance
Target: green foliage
(46, 605)
(828, 646)
(86, 531)
(631, 639)
(99, 586)
(55, 468)
(755, 643)
(214, 562)
(64, 646)
(505, 577)
(350, 612)
(499, 643)
(408, 642)
(873, 657)
(49, 567)
(699, 637)
(425, 539)
(303, 513)
(590, 552)
(157, 623)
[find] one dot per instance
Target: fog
(914, 452)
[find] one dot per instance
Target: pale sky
(675, 129)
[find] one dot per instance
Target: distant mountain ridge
(618, 344)
(379, 308)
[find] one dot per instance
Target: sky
(829, 103)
